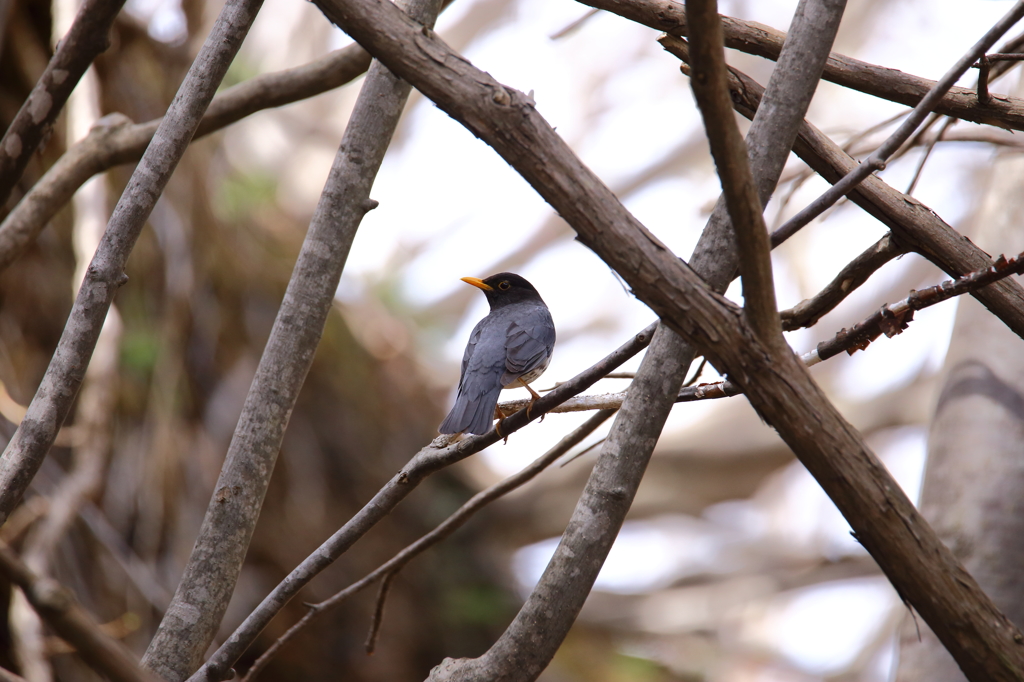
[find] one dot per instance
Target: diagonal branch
(105, 275)
(441, 532)
(711, 89)
(915, 227)
(855, 273)
(922, 569)
(209, 579)
(879, 81)
(436, 456)
(876, 161)
(88, 36)
(115, 140)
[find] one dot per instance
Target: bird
(507, 349)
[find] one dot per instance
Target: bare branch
(711, 89)
(105, 275)
(211, 573)
(876, 161)
(441, 532)
(808, 312)
(441, 453)
(555, 601)
(914, 226)
(61, 610)
(924, 571)
(891, 84)
(88, 36)
(115, 140)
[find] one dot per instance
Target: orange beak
(478, 283)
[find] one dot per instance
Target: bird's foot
(497, 429)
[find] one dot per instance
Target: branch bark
(442, 531)
(528, 645)
(876, 160)
(105, 275)
(439, 454)
(88, 37)
(202, 597)
(890, 84)
(982, 640)
(914, 226)
(115, 140)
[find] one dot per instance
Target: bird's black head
(505, 288)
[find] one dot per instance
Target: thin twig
(808, 312)
(946, 125)
(878, 159)
(893, 319)
(561, 33)
(378, 611)
(442, 531)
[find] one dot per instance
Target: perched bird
(509, 348)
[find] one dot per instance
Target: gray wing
(528, 343)
(479, 385)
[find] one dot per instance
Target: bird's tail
(471, 415)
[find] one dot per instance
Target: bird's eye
(504, 286)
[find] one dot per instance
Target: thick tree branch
(105, 275)
(531, 641)
(440, 533)
(61, 610)
(891, 84)
(918, 564)
(915, 227)
(195, 613)
(442, 452)
(88, 36)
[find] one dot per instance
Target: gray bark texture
(975, 471)
(88, 37)
(52, 402)
(526, 648)
(205, 589)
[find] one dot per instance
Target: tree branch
(557, 599)
(115, 140)
(202, 597)
(914, 226)
(876, 161)
(890, 84)
(105, 275)
(436, 456)
(88, 36)
(61, 610)
(808, 312)
(440, 533)
(916, 562)
(711, 90)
